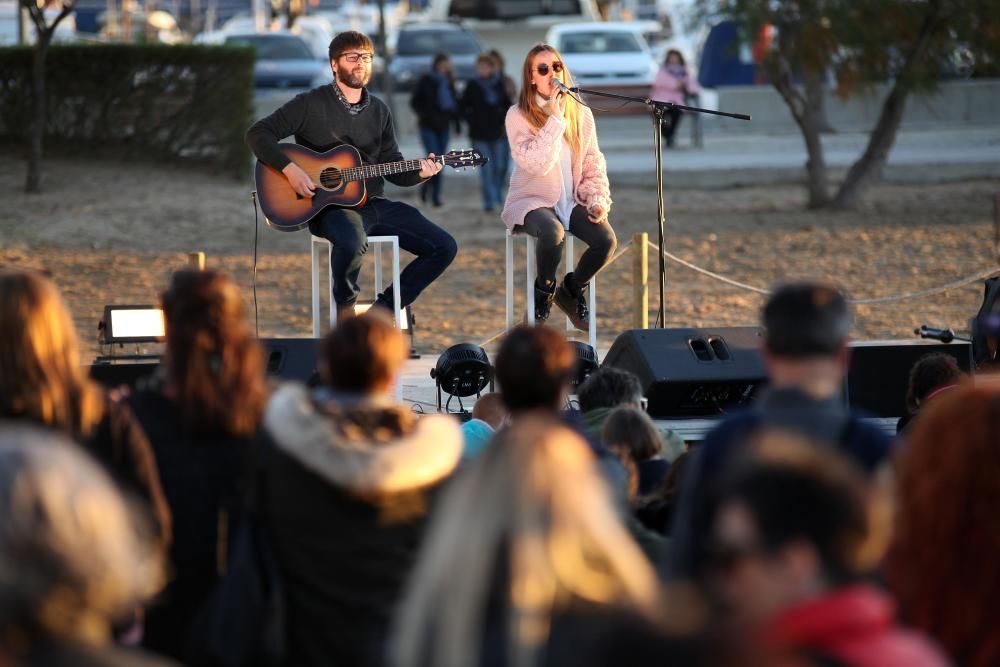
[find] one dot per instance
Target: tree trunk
(33, 180)
(868, 167)
(816, 100)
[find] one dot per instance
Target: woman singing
(559, 184)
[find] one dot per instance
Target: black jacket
(207, 480)
(486, 121)
(430, 115)
(346, 510)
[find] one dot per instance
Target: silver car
(417, 43)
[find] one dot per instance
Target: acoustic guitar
(340, 175)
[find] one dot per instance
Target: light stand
(658, 108)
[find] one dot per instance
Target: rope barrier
(883, 299)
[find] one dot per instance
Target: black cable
(256, 226)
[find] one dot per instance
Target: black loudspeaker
(293, 359)
(118, 373)
(879, 372)
(692, 372)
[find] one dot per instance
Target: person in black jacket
(436, 104)
(202, 415)
(344, 113)
(484, 107)
(346, 493)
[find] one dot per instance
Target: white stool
(530, 291)
(317, 253)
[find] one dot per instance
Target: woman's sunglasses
(543, 69)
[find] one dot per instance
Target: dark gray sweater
(319, 121)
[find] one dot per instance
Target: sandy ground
(112, 234)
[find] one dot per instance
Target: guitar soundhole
(331, 178)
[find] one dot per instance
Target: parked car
(283, 59)
(416, 44)
(603, 55)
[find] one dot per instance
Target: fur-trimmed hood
(373, 447)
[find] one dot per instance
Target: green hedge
(177, 104)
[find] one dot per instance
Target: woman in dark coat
(436, 104)
(202, 415)
(484, 107)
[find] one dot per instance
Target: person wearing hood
(346, 495)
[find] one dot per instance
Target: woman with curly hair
(202, 414)
(942, 565)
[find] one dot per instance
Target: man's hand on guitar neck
(299, 180)
(428, 167)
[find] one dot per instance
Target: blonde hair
(73, 557)
(41, 378)
(534, 113)
(536, 495)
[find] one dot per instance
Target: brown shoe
(543, 303)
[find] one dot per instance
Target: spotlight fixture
(586, 363)
(462, 370)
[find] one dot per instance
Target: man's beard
(352, 80)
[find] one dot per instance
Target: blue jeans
(491, 179)
(437, 143)
(348, 230)
(503, 163)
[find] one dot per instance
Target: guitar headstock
(464, 158)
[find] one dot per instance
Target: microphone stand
(657, 108)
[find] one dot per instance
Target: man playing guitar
(345, 113)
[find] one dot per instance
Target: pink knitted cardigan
(537, 180)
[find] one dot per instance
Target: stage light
(132, 324)
(586, 363)
(462, 370)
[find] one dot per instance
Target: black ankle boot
(572, 300)
(543, 302)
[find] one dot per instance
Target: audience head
(363, 354)
(41, 377)
(609, 387)
(806, 325)
(73, 558)
(792, 522)
(214, 364)
(532, 524)
(534, 366)
(631, 430)
(490, 409)
(932, 373)
(941, 566)
(486, 65)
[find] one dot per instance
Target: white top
(564, 207)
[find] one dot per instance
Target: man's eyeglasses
(543, 69)
(353, 58)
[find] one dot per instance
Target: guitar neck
(366, 171)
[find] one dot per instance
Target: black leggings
(548, 230)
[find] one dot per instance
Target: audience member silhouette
(797, 527)
(806, 328)
(942, 563)
(346, 492)
(202, 414)
(932, 375)
(43, 381)
(527, 563)
(74, 558)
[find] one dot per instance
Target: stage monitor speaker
(692, 372)
(879, 372)
(114, 374)
(293, 359)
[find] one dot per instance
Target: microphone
(943, 335)
(559, 84)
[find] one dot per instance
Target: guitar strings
(357, 173)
